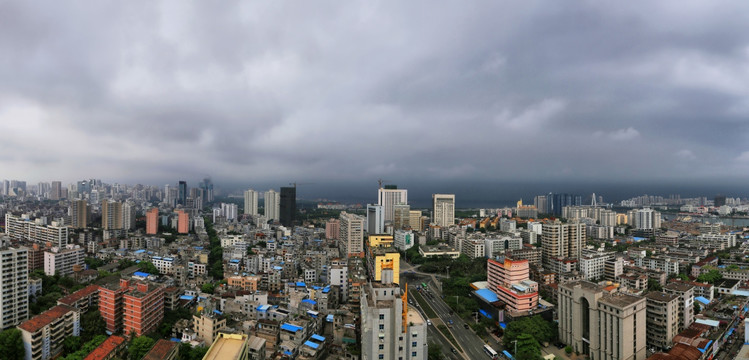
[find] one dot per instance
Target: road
(471, 344)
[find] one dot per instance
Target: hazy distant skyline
(345, 93)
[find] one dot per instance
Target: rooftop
(660, 296)
(80, 294)
(414, 317)
(227, 347)
(160, 350)
(678, 286)
(37, 322)
(621, 300)
(107, 347)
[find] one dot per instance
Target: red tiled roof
(160, 350)
(106, 348)
(37, 322)
(80, 294)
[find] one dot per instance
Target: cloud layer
(321, 91)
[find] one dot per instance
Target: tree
(528, 348)
(434, 352)
(536, 326)
(148, 267)
(710, 277)
(71, 344)
(568, 349)
(11, 344)
(207, 288)
(187, 352)
(654, 285)
(139, 347)
(93, 324)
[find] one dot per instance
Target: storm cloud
(263, 91)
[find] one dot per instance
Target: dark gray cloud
(262, 91)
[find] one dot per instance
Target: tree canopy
(11, 344)
(710, 277)
(139, 347)
(540, 329)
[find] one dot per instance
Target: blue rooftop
(141, 274)
(329, 318)
(218, 312)
(308, 301)
(139, 251)
(277, 268)
(263, 308)
(235, 261)
(186, 297)
(326, 290)
(287, 352)
(299, 283)
(311, 344)
(317, 337)
(175, 340)
(487, 295)
(289, 327)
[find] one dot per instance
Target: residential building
(183, 222)
(389, 328)
(250, 202)
(403, 239)
(24, 229)
(401, 216)
(562, 241)
(351, 233)
(685, 292)
(152, 221)
(443, 209)
(662, 319)
(208, 325)
(272, 205)
(390, 196)
(83, 299)
(14, 282)
(228, 346)
(113, 347)
(111, 215)
(510, 280)
(414, 220)
(128, 215)
(79, 214)
(288, 206)
(332, 229)
(600, 322)
(143, 308)
(63, 261)
(44, 334)
(473, 248)
(592, 266)
(163, 350)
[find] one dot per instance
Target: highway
(471, 344)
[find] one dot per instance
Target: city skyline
(499, 92)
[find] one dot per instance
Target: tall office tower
(561, 241)
(250, 202)
(111, 215)
(182, 194)
(152, 221)
(352, 233)
(719, 200)
(401, 217)
(84, 187)
(55, 192)
(79, 213)
(288, 206)
(375, 220)
(414, 220)
(602, 323)
(272, 205)
(14, 275)
(390, 196)
(168, 195)
(207, 186)
(128, 215)
(663, 319)
(389, 328)
(443, 209)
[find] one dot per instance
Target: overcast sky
(264, 91)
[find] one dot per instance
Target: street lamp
(516, 348)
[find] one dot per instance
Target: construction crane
(380, 181)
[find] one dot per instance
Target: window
(382, 346)
(382, 316)
(413, 354)
(382, 327)
(382, 356)
(413, 344)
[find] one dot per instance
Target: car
(453, 350)
(465, 326)
(559, 345)
(429, 322)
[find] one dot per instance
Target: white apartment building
(403, 239)
(62, 260)
(272, 205)
(250, 202)
(14, 276)
(388, 198)
(443, 209)
(473, 248)
(23, 228)
(165, 265)
(352, 233)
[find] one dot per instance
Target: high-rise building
(207, 186)
(375, 219)
(561, 241)
(14, 275)
(541, 204)
(288, 206)
(152, 221)
(128, 215)
(401, 216)
(646, 219)
(601, 323)
(685, 292)
(63, 261)
(55, 192)
(510, 280)
(272, 205)
(183, 222)
(111, 215)
(43, 335)
(229, 211)
(414, 220)
(23, 229)
(389, 197)
(662, 319)
(443, 209)
(389, 328)
(352, 233)
(79, 214)
(719, 200)
(250, 202)
(182, 193)
(131, 307)
(332, 229)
